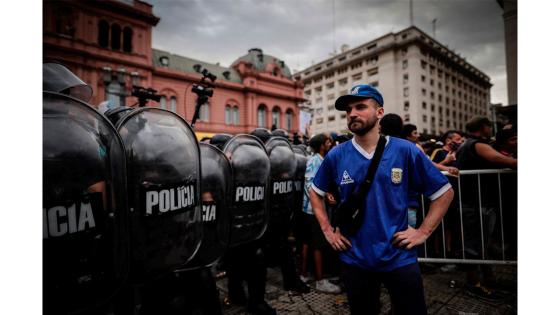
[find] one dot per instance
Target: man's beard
(364, 128)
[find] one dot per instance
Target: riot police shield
(85, 237)
(283, 166)
(251, 169)
(216, 200)
(115, 114)
(163, 163)
(57, 78)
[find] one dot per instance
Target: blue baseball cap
(359, 91)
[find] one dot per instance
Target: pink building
(108, 45)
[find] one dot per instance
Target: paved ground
(441, 298)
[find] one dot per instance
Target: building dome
(264, 63)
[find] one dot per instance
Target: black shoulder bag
(349, 215)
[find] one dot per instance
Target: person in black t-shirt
(480, 201)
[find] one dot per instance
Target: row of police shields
(132, 197)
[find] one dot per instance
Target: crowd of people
(361, 268)
(383, 174)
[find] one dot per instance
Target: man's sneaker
(481, 292)
(327, 287)
(299, 287)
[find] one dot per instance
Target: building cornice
(140, 10)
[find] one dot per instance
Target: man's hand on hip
(409, 238)
(337, 240)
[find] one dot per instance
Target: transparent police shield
(299, 179)
(251, 169)
(216, 201)
(85, 237)
(163, 163)
(57, 78)
(283, 167)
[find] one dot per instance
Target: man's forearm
(319, 209)
(437, 210)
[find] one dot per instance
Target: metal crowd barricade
(493, 248)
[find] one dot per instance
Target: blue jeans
(404, 285)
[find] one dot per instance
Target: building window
(432, 108)
(432, 82)
(357, 77)
(372, 72)
(406, 106)
(424, 106)
(319, 120)
(342, 82)
(235, 116)
(276, 117)
(289, 119)
(173, 104)
(405, 92)
(356, 65)
(424, 118)
(115, 93)
(405, 79)
(204, 114)
(127, 39)
(432, 95)
(261, 116)
(405, 64)
(423, 92)
(423, 78)
(331, 118)
(103, 34)
(228, 115)
(64, 21)
(163, 102)
(406, 117)
(423, 64)
(115, 37)
(330, 85)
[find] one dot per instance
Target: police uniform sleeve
(323, 177)
(425, 177)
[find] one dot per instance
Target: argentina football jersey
(403, 168)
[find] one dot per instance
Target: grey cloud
(300, 32)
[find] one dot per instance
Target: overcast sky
(300, 32)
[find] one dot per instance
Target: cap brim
(343, 101)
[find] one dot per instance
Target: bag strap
(368, 180)
(434, 153)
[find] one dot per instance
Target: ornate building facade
(108, 44)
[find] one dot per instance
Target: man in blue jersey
(382, 250)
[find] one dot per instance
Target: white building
(420, 79)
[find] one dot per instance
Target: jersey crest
(396, 175)
(346, 179)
